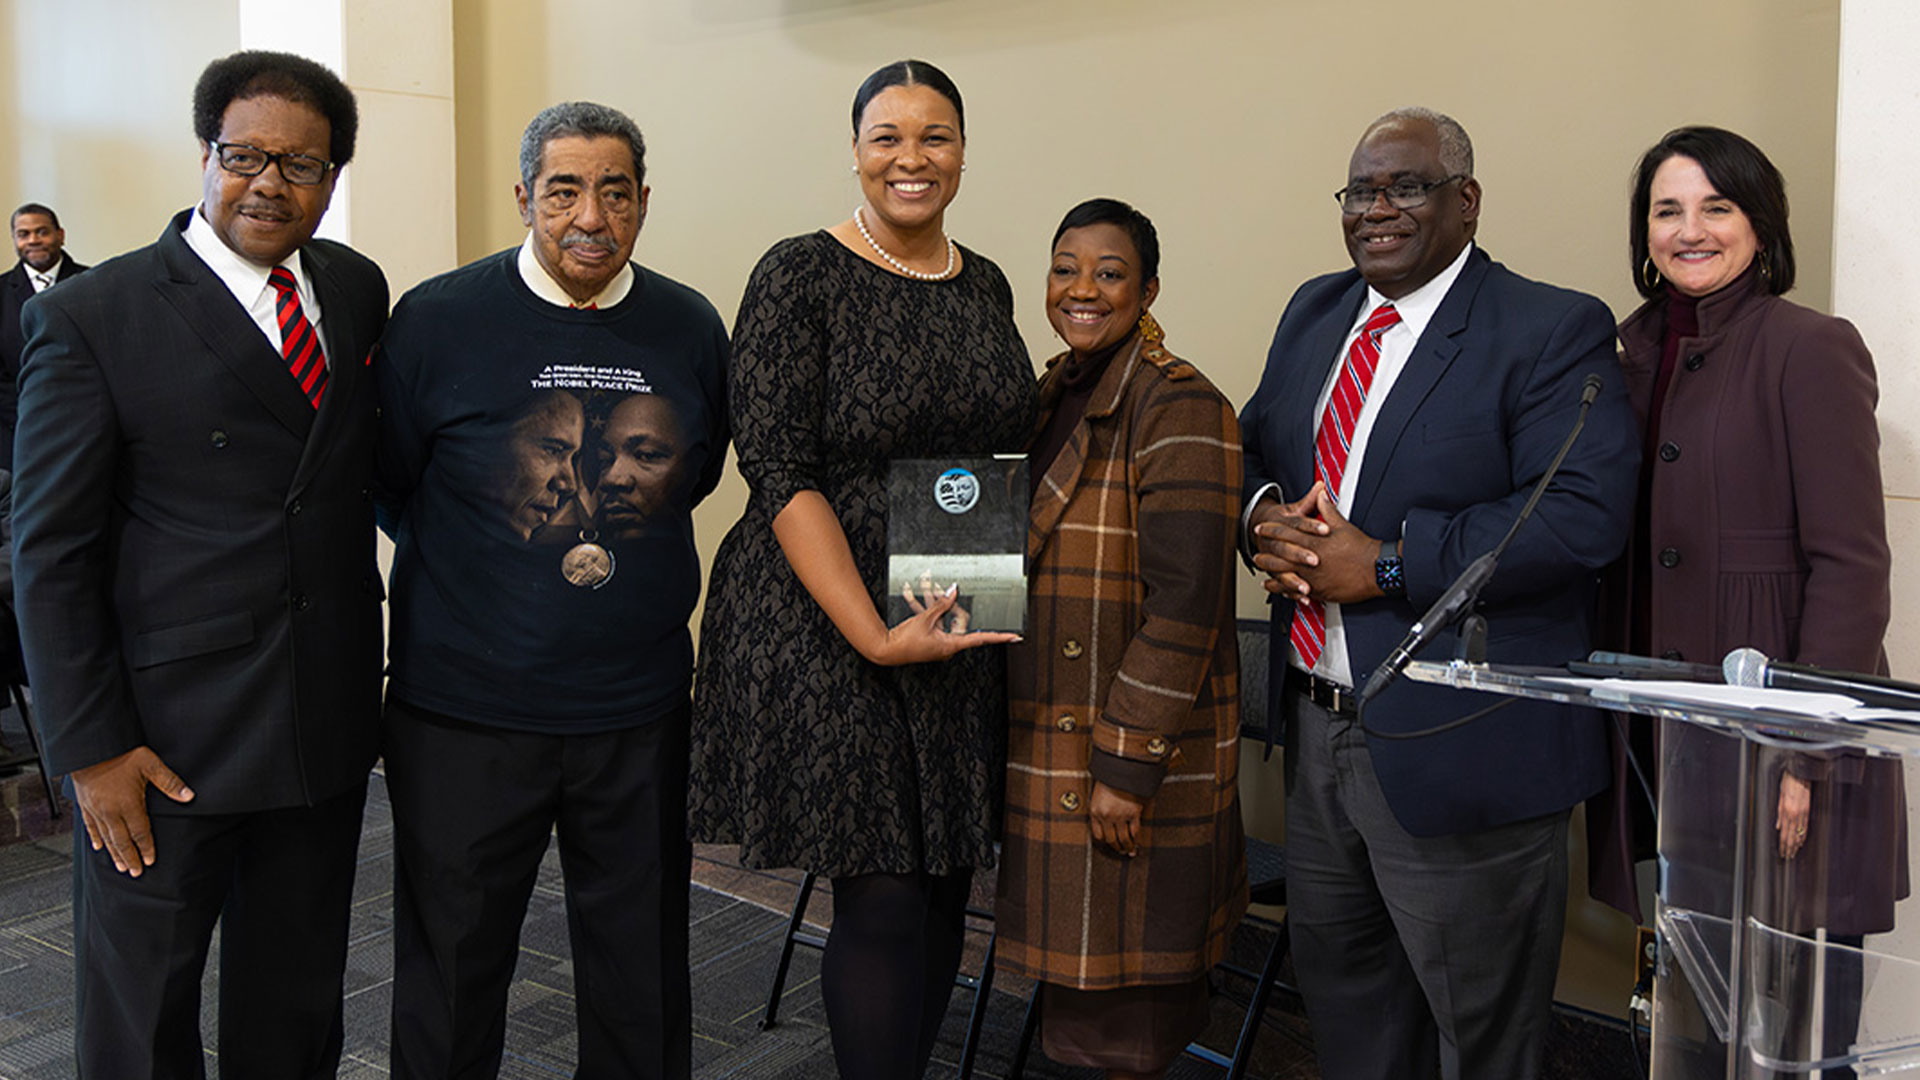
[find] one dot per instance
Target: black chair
(1266, 884)
(980, 985)
(13, 675)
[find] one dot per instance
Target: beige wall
(96, 112)
(1875, 282)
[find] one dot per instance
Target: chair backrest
(1254, 635)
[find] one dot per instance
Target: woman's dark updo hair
(908, 73)
(1146, 242)
(1738, 170)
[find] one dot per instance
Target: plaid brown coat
(1128, 675)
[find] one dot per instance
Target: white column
(395, 201)
(1876, 284)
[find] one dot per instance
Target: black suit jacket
(1487, 396)
(15, 290)
(194, 554)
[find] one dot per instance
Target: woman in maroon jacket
(1761, 524)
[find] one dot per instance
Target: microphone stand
(1460, 596)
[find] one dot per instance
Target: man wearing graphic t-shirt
(549, 417)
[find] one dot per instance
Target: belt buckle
(1333, 697)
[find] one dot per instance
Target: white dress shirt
(1396, 346)
(247, 281)
(547, 289)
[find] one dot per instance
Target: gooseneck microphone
(1460, 596)
(1750, 667)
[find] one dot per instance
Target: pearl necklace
(917, 275)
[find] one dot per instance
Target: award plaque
(960, 520)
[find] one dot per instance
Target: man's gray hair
(1456, 149)
(586, 120)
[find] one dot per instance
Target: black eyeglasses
(243, 160)
(1401, 194)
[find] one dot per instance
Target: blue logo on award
(956, 491)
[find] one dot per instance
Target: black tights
(889, 969)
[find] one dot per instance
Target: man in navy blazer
(1428, 875)
(199, 600)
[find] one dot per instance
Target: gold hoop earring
(1649, 274)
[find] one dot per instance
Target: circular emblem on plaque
(587, 564)
(956, 490)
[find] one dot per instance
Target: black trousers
(473, 808)
(280, 884)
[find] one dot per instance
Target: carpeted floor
(739, 917)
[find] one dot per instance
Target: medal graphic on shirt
(586, 563)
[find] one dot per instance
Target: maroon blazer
(1767, 530)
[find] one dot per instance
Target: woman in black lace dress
(822, 739)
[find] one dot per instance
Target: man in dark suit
(1407, 409)
(194, 546)
(40, 242)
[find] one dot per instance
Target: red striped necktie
(298, 343)
(1331, 444)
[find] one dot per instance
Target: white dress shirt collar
(547, 289)
(1417, 307)
(247, 281)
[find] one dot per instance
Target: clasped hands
(1307, 549)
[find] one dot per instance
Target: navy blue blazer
(1474, 419)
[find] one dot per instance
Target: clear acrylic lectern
(1783, 846)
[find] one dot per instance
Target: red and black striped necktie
(298, 343)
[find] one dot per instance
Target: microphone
(1750, 667)
(1627, 665)
(1459, 597)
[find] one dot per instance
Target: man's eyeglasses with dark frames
(1401, 194)
(243, 160)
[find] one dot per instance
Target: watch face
(1388, 573)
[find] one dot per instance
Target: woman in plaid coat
(1123, 864)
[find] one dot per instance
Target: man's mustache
(580, 239)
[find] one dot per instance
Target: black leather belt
(1329, 695)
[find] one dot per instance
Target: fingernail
(953, 589)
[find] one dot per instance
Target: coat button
(300, 602)
(1157, 746)
(1670, 557)
(1065, 723)
(1694, 361)
(294, 508)
(1070, 801)
(218, 439)
(1669, 452)
(1072, 650)
(1672, 654)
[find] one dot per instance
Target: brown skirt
(1131, 1028)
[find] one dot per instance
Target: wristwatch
(1387, 572)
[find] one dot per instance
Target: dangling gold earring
(1766, 271)
(1150, 328)
(1650, 275)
